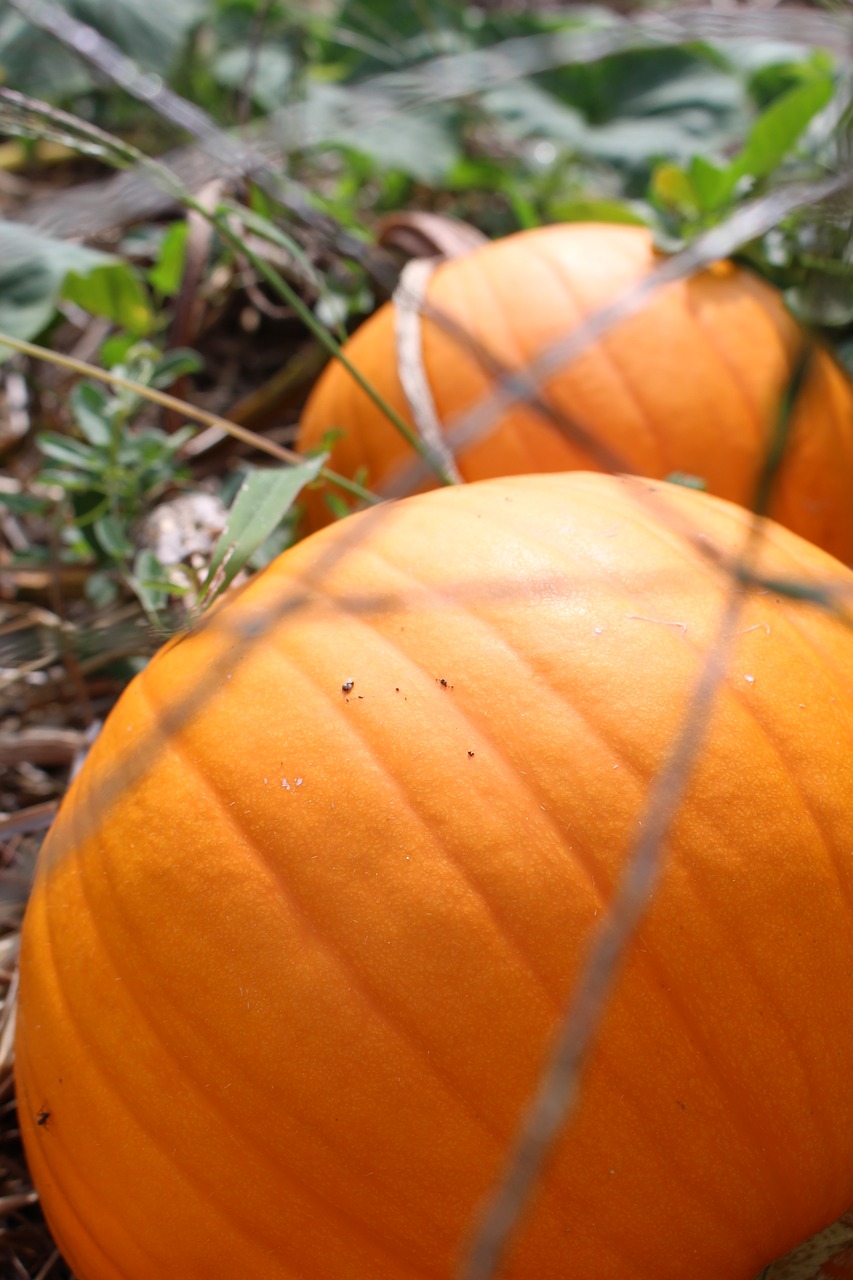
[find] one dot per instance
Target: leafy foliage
(704, 190)
(153, 32)
(676, 136)
(262, 502)
(114, 472)
(37, 273)
(672, 135)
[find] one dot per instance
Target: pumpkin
(303, 929)
(691, 384)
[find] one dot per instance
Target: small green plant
(700, 194)
(114, 472)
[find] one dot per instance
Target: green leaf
(644, 105)
(173, 365)
(712, 184)
(265, 71)
(24, 504)
(266, 229)
(69, 452)
(772, 68)
(32, 271)
(776, 131)
(263, 500)
(70, 481)
(523, 208)
(42, 67)
(114, 291)
(168, 271)
(526, 111)
(112, 537)
(89, 505)
(150, 581)
(423, 144)
(89, 404)
(115, 349)
(101, 589)
(672, 188)
(598, 210)
(152, 32)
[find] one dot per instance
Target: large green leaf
(528, 111)
(33, 273)
(707, 187)
(776, 131)
(152, 32)
(265, 73)
(261, 504)
(113, 291)
(423, 144)
(653, 103)
(656, 81)
(367, 37)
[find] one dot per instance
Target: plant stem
(195, 414)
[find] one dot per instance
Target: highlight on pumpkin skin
(384, 835)
(690, 385)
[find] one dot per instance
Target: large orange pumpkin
(692, 384)
(302, 931)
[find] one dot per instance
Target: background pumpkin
(691, 384)
(294, 953)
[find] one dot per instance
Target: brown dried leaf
(418, 234)
(826, 1256)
